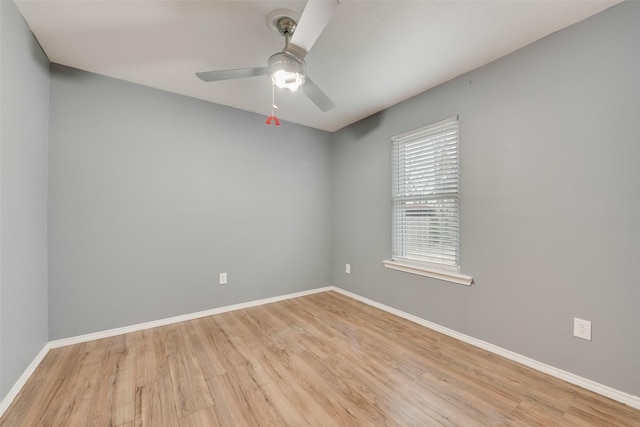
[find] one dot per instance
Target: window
(426, 203)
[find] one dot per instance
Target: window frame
(434, 188)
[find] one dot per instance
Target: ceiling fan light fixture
(287, 79)
(286, 71)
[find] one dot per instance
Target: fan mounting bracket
(283, 21)
(286, 26)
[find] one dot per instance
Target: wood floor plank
(103, 402)
(319, 360)
(191, 393)
(336, 397)
(231, 404)
(270, 368)
(124, 384)
(204, 343)
(67, 397)
(203, 418)
(155, 405)
(243, 376)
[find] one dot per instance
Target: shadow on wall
(366, 126)
(69, 73)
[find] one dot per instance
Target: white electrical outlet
(223, 278)
(582, 328)
(347, 268)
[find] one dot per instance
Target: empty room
(319, 213)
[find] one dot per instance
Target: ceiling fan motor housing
(285, 70)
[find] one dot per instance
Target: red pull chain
(273, 118)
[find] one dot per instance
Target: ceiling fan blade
(316, 95)
(238, 73)
(315, 17)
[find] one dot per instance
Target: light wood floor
(320, 360)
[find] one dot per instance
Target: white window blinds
(426, 206)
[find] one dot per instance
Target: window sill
(448, 276)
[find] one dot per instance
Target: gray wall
(152, 195)
(24, 94)
(550, 145)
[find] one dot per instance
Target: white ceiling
(373, 54)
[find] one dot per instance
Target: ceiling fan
(287, 69)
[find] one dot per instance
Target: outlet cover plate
(582, 328)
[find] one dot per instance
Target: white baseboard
(8, 399)
(182, 318)
(620, 396)
(627, 399)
